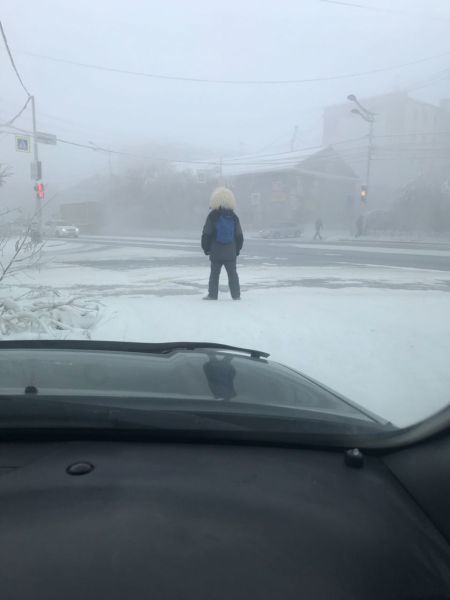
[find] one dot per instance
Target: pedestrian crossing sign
(23, 143)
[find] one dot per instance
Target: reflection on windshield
(220, 375)
(200, 376)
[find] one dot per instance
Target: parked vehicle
(60, 229)
(282, 230)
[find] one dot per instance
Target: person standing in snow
(222, 241)
(318, 226)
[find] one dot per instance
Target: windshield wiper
(158, 348)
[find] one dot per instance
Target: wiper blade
(158, 348)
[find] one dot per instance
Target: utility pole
(36, 169)
(369, 152)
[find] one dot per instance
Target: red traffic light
(39, 187)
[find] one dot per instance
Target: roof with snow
(327, 163)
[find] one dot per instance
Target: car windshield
(264, 175)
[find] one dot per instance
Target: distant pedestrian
(359, 226)
(222, 241)
(319, 227)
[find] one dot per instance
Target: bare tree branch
(5, 172)
(27, 253)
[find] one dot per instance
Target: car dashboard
(114, 519)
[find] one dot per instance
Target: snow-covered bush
(45, 313)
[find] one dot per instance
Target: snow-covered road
(379, 334)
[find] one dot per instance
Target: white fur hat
(222, 197)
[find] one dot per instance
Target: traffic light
(363, 193)
(39, 188)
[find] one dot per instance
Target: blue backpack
(225, 229)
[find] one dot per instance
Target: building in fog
(139, 200)
(82, 204)
(322, 184)
(410, 139)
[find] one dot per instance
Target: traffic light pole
(37, 174)
(369, 155)
(369, 117)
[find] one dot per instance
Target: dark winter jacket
(210, 245)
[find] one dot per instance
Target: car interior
(152, 514)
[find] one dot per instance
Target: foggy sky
(224, 39)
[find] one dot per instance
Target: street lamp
(369, 117)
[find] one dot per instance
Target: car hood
(185, 370)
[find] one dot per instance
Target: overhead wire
(261, 161)
(234, 81)
(13, 64)
(436, 78)
(411, 133)
(381, 9)
(11, 121)
(274, 160)
(120, 152)
(69, 124)
(242, 160)
(11, 59)
(305, 148)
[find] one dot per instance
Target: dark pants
(317, 235)
(233, 279)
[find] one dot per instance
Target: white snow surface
(387, 349)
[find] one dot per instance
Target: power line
(440, 76)
(13, 64)
(265, 160)
(73, 125)
(413, 150)
(411, 133)
(349, 154)
(278, 141)
(275, 160)
(11, 121)
(384, 10)
(235, 81)
(290, 159)
(119, 152)
(440, 157)
(305, 148)
(364, 6)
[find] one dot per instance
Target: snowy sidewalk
(379, 335)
